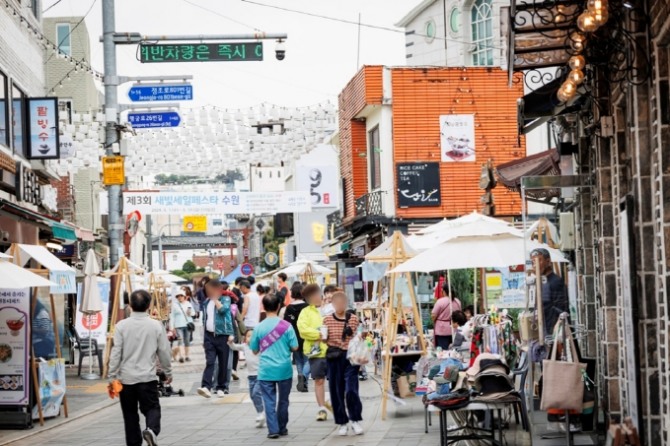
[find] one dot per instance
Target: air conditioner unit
(567, 230)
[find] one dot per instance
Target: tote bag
(563, 385)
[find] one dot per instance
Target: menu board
(14, 346)
(418, 184)
(51, 378)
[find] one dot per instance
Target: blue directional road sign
(154, 120)
(152, 93)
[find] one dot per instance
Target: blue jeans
(255, 393)
(301, 363)
(275, 399)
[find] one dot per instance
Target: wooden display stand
(159, 308)
(14, 252)
(396, 255)
(122, 272)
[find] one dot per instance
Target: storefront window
(18, 99)
(4, 121)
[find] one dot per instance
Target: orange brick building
(413, 141)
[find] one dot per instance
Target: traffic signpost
(161, 92)
(201, 52)
(154, 120)
(246, 269)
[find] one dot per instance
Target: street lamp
(161, 263)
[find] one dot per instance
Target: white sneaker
(260, 420)
(356, 426)
(204, 391)
(343, 430)
(220, 393)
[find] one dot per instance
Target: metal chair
(521, 372)
(86, 347)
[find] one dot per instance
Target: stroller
(166, 390)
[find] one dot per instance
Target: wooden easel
(396, 255)
(159, 308)
(122, 272)
(308, 274)
(16, 255)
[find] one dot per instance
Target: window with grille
(482, 33)
(375, 162)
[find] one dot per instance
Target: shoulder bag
(563, 381)
(189, 325)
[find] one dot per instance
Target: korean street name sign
(204, 203)
(154, 120)
(202, 52)
(152, 93)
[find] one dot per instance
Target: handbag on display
(528, 326)
(563, 381)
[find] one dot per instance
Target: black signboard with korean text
(418, 184)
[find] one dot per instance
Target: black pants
(144, 395)
(443, 341)
(236, 359)
(216, 347)
(343, 386)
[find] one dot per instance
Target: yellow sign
(194, 223)
(113, 172)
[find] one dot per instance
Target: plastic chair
(86, 347)
(521, 372)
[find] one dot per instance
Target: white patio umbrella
(4, 256)
(13, 277)
(91, 303)
(302, 266)
(469, 226)
(475, 252)
(466, 219)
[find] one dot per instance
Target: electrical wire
(356, 23)
(57, 2)
(204, 8)
(73, 28)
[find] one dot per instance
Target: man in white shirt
(251, 311)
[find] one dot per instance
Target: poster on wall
(42, 128)
(506, 287)
(51, 379)
(14, 346)
(418, 184)
(44, 338)
(457, 138)
(97, 323)
(322, 183)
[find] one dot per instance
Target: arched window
(482, 33)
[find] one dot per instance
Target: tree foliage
(189, 267)
(228, 177)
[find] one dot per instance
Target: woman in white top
(251, 311)
(180, 318)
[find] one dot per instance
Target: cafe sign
(43, 142)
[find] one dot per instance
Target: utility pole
(111, 131)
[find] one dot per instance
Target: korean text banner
(203, 203)
(457, 137)
(43, 128)
(14, 346)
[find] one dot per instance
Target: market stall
(48, 326)
(305, 270)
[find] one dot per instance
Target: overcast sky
(320, 58)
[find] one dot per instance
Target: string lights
(589, 21)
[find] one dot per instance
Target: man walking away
(218, 323)
(138, 342)
(274, 339)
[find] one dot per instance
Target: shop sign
(51, 376)
(194, 223)
(418, 184)
(14, 346)
(322, 183)
(66, 145)
(27, 185)
(95, 325)
(113, 171)
(68, 252)
(43, 128)
(202, 52)
(457, 137)
(201, 203)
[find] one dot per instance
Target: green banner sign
(201, 52)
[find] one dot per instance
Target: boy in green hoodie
(310, 325)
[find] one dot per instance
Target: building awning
(63, 232)
(85, 235)
(543, 163)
